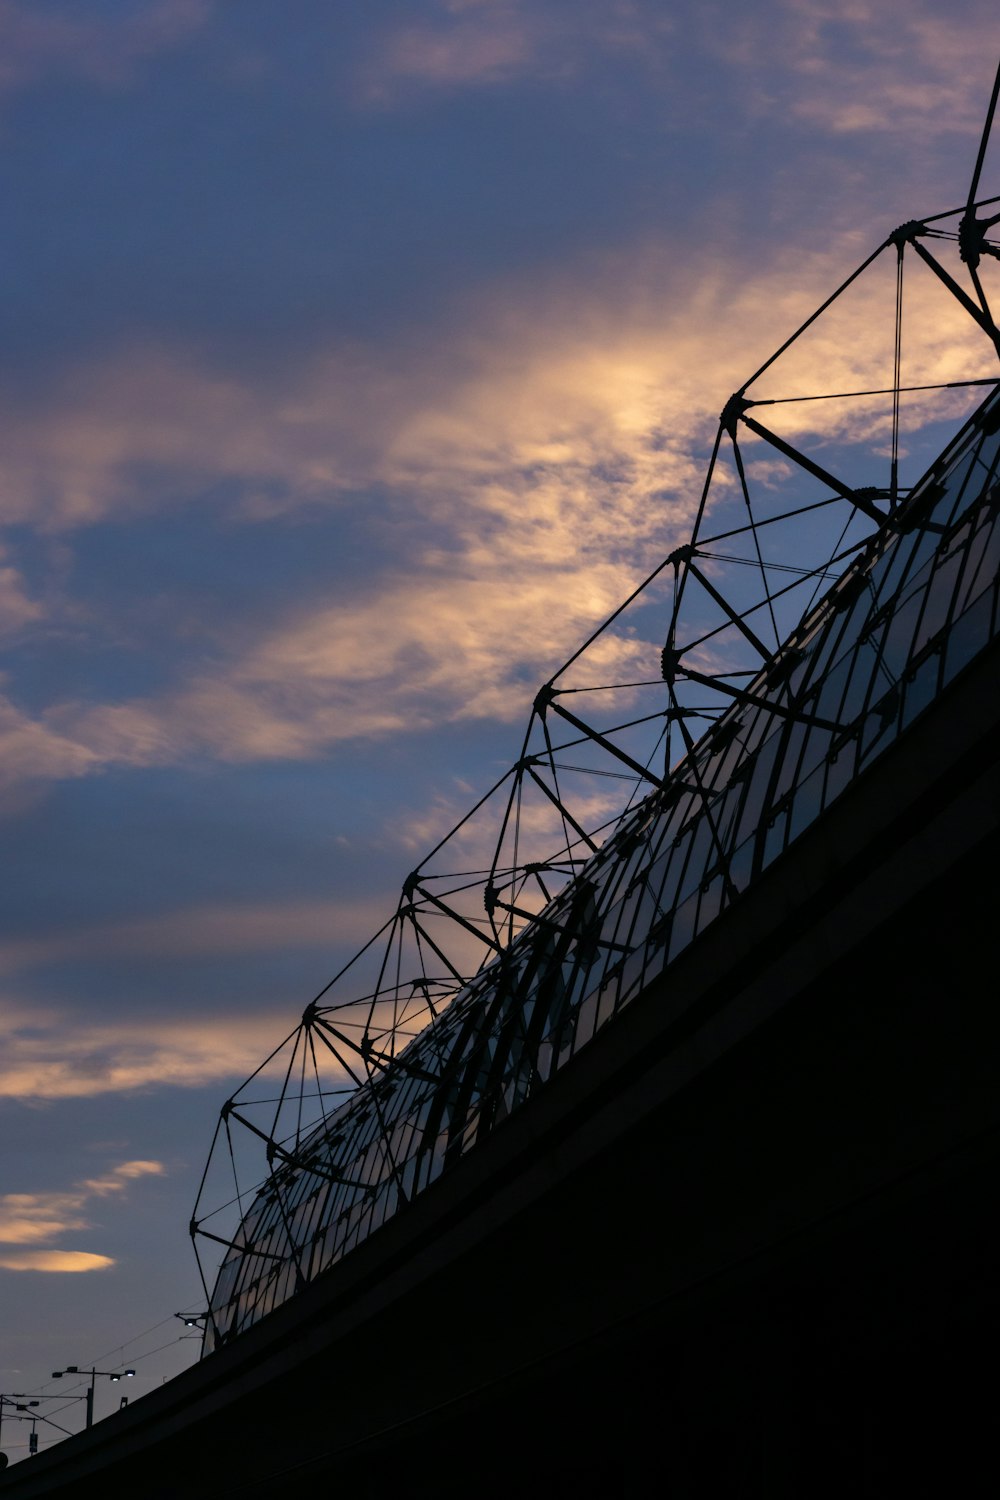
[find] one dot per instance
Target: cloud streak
(197, 932)
(848, 67)
(62, 1261)
(463, 45)
(30, 1220)
(49, 1055)
(534, 463)
(35, 44)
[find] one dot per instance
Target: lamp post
(110, 1374)
(20, 1403)
(17, 1400)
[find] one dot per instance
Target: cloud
(459, 45)
(35, 43)
(869, 65)
(47, 1054)
(204, 931)
(30, 751)
(485, 45)
(28, 1219)
(55, 1260)
(16, 608)
(130, 1170)
(531, 462)
(842, 66)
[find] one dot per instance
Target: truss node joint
(670, 661)
(906, 233)
(972, 244)
(543, 698)
(733, 410)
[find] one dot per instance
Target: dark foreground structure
(748, 1240)
(687, 1186)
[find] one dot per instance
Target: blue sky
(356, 360)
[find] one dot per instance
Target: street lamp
(110, 1374)
(193, 1320)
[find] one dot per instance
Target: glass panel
(774, 839)
(968, 635)
(741, 864)
(760, 775)
(828, 699)
(711, 903)
(937, 607)
(897, 639)
(682, 927)
(989, 561)
(702, 854)
(794, 738)
(920, 692)
(808, 802)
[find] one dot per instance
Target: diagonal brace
(856, 497)
(599, 739)
(741, 625)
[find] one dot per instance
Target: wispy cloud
(485, 44)
(36, 42)
(17, 608)
(48, 1054)
(456, 45)
(30, 1220)
(30, 751)
(199, 932)
(843, 66)
(865, 65)
(534, 461)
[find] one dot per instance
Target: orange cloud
(26, 1218)
(119, 1177)
(55, 1260)
(540, 454)
(31, 1219)
(49, 1055)
(130, 1170)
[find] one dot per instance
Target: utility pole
(75, 1370)
(23, 1405)
(19, 1402)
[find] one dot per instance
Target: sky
(355, 362)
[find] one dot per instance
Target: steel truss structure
(731, 698)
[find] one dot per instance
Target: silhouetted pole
(75, 1370)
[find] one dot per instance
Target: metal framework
(817, 607)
